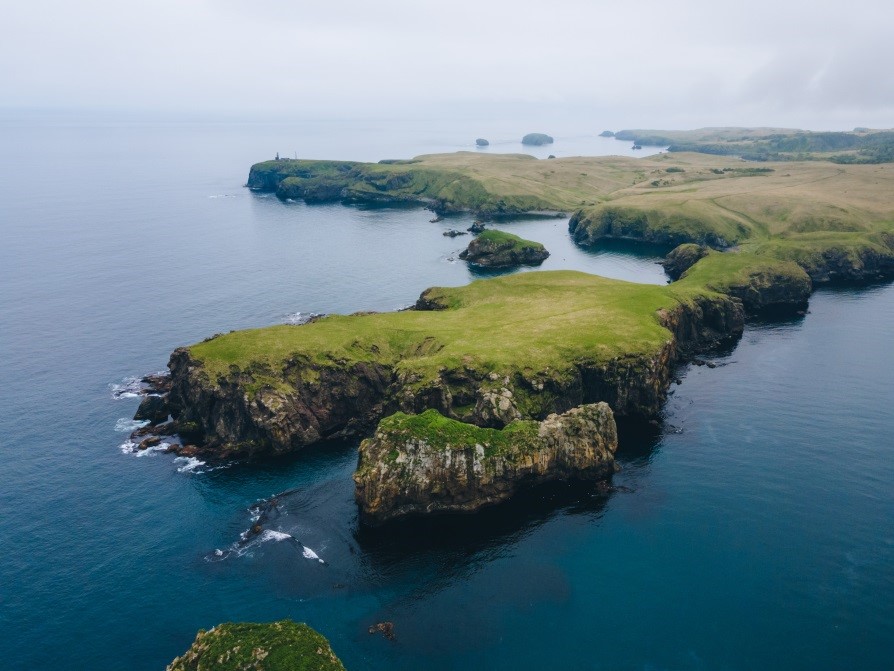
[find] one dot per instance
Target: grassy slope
(536, 321)
(508, 241)
(859, 146)
(784, 212)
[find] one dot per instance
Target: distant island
(537, 139)
(862, 145)
(746, 238)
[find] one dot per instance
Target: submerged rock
(420, 464)
(273, 646)
(498, 249)
(453, 233)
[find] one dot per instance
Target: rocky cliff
(266, 407)
(498, 249)
(420, 464)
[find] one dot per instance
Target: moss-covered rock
(421, 464)
(274, 646)
(498, 249)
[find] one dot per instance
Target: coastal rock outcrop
(537, 139)
(682, 258)
(498, 249)
(481, 142)
(421, 464)
(243, 405)
(273, 646)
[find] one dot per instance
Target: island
(537, 139)
(481, 142)
(511, 351)
(498, 249)
(273, 646)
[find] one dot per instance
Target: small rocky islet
(499, 249)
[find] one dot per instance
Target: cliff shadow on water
(307, 538)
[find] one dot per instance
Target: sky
(668, 64)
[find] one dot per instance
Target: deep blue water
(753, 530)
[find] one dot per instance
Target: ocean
(753, 529)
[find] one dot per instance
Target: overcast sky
(668, 64)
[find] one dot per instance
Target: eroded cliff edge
(489, 353)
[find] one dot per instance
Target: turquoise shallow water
(753, 530)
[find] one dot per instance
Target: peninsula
(497, 353)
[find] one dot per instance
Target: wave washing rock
(274, 646)
(420, 464)
(498, 249)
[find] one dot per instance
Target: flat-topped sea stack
(498, 249)
(423, 464)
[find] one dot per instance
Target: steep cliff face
(420, 464)
(255, 410)
(655, 226)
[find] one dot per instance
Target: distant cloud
(646, 63)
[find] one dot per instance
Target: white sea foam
(128, 425)
(298, 318)
(190, 464)
(310, 554)
(223, 195)
(128, 447)
(277, 536)
(129, 387)
(152, 451)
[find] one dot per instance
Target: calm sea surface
(753, 530)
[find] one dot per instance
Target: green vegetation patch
(537, 321)
(443, 433)
(274, 646)
(508, 241)
(722, 272)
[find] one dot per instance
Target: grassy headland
(523, 346)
